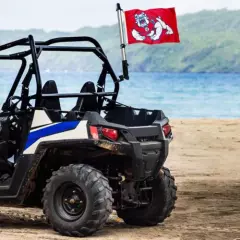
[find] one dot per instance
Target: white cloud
(73, 14)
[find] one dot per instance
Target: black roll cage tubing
(36, 48)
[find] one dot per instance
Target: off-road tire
(163, 201)
(98, 200)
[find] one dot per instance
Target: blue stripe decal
(50, 130)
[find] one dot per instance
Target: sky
(70, 15)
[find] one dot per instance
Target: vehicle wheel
(77, 200)
(163, 201)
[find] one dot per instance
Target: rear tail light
(94, 132)
(110, 133)
(166, 129)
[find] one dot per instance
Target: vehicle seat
(51, 104)
(88, 103)
(84, 104)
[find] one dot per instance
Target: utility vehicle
(79, 165)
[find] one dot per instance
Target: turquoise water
(178, 95)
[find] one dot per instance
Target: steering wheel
(13, 108)
(11, 105)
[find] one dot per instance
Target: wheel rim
(70, 202)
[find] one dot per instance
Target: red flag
(152, 26)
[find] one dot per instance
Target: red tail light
(166, 129)
(94, 132)
(110, 133)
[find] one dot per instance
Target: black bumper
(147, 157)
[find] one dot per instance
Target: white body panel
(40, 118)
(80, 132)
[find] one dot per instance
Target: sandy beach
(205, 160)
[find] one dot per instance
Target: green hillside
(210, 42)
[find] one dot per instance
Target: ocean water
(178, 95)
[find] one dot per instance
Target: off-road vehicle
(80, 164)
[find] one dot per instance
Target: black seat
(87, 103)
(51, 104)
(84, 104)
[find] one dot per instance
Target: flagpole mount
(122, 44)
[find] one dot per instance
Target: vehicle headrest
(51, 103)
(88, 87)
(50, 87)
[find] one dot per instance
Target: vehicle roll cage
(35, 50)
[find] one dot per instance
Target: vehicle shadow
(13, 222)
(10, 221)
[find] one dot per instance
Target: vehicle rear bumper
(147, 157)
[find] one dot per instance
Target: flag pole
(122, 44)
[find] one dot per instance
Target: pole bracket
(122, 44)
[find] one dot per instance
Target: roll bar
(35, 50)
